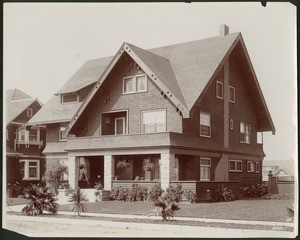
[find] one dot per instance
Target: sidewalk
(18, 208)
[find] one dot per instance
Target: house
(283, 170)
(24, 144)
(188, 113)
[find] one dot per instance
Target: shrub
(254, 191)
(190, 196)
(79, 201)
(123, 194)
(166, 207)
(175, 193)
(114, 193)
(155, 192)
(221, 194)
(42, 199)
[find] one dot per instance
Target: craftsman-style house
(186, 113)
(24, 144)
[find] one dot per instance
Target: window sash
(219, 90)
(205, 164)
(154, 121)
(135, 84)
(245, 132)
(205, 128)
(231, 94)
(235, 166)
(250, 166)
(30, 169)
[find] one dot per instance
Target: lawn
(16, 201)
(249, 209)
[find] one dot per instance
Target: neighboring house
(24, 145)
(188, 112)
(283, 170)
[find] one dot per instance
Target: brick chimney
(224, 30)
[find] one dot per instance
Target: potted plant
(148, 166)
(98, 191)
(123, 164)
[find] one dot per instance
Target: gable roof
(16, 103)
(88, 74)
(182, 72)
(53, 112)
(16, 94)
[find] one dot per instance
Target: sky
(46, 43)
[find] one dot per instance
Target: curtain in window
(204, 172)
(141, 83)
(128, 85)
(154, 121)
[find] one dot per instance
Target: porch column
(73, 168)
(108, 171)
(167, 169)
(222, 170)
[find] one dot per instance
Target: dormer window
(69, 98)
(135, 84)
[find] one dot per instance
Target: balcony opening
(114, 123)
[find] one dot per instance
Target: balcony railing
(31, 141)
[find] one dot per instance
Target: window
(231, 94)
(219, 90)
(135, 84)
(245, 130)
(23, 134)
(61, 134)
(29, 112)
(68, 98)
(154, 121)
(205, 129)
(205, 164)
(250, 166)
(30, 169)
(257, 167)
(235, 166)
(231, 124)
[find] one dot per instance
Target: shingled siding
(242, 110)
(110, 97)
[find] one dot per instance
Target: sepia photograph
(150, 120)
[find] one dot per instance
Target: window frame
(235, 165)
(245, 133)
(26, 176)
(218, 83)
(251, 164)
(63, 95)
(201, 135)
(232, 101)
(60, 134)
(231, 124)
(134, 79)
(29, 112)
(205, 165)
(154, 110)
(257, 167)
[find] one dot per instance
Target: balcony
(30, 141)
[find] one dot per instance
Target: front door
(120, 126)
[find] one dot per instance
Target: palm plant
(42, 199)
(79, 201)
(166, 207)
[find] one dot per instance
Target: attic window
(29, 112)
(219, 90)
(68, 98)
(135, 84)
